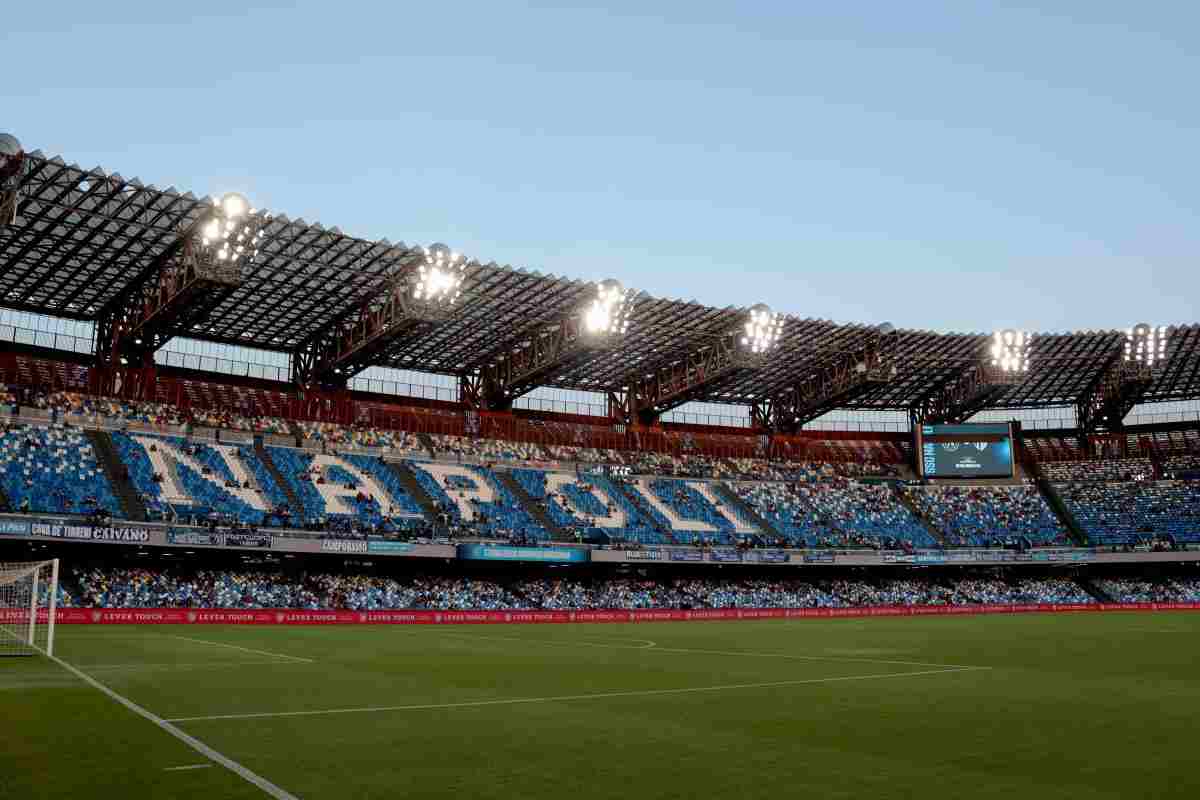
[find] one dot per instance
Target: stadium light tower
(964, 391)
(608, 314)
(425, 290)
(439, 280)
(741, 343)
(1124, 381)
(177, 290)
(600, 322)
(1010, 353)
(1145, 345)
(12, 161)
(761, 330)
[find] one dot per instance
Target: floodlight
(1010, 350)
(609, 312)
(440, 277)
(234, 205)
(1146, 344)
(762, 329)
(232, 232)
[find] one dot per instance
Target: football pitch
(1028, 706)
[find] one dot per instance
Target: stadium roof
(82, 235)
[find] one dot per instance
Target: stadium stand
(124, 587)
(341, 436)
(836, 513)
(1093, 471)
(53, 469)
(1135, 511)
(1151, 590)
(192, 480)
(473, 497)
(990, 515)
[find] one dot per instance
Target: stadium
(286, 512)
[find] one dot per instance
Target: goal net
(28, 602)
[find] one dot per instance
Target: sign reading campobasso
(86, 533)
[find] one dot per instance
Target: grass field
(1028, 706)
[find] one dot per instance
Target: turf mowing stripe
(239, 647)
(192, 742)
(187, 767)
(658, 649)
(571, 697)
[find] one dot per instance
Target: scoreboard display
(965, 451)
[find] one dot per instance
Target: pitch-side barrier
(192, 616)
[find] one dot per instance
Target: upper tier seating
(836, 514)
(1125, 513)
(1098, 471)
(53, 469)
(341, 436)
(473, 496)
(192, 479)
(351, 493)
(984, 515)
(487, 449)
(73, 403)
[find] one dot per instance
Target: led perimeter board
(965, 451)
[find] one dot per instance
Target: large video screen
(965, 451)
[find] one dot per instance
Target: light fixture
(232, 232)
(1010, 350)
(762, 329)
(609, 312)
(1146, 344)
(234, 205)
(440, 277)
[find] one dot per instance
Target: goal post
(28, 607)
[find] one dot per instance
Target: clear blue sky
(956, 166)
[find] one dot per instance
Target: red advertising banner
(192, 616)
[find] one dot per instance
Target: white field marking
(187, 767)
(243, 649)
(644, 644)
(658, 649)
(570, 697)
(190, 665)
(191, 741)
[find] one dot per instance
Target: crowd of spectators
(837, 513)
(1144, 590)
(1098, 471)
(333, 436)
(982, 516)
(125, 587)
(75, 404)
(1129, 514)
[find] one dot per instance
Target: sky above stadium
(927, 164)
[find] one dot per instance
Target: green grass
(1071, 705)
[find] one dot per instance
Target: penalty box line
(651, 646)
(571, 697)
(191, 741)
(297, 659)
